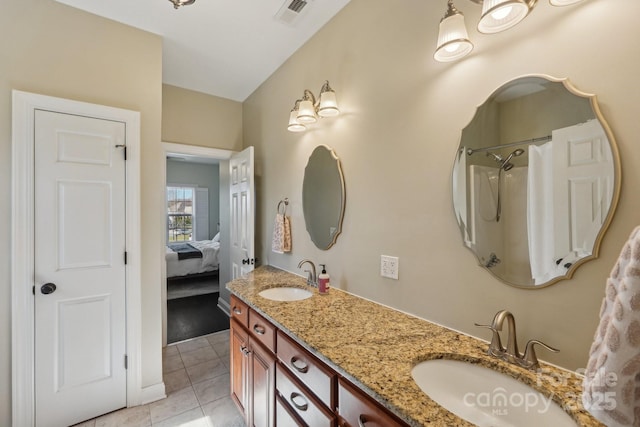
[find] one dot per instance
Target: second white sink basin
(285, 294)
(486, 397)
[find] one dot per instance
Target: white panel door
(242, 213)
(80, 320)
(582, 187)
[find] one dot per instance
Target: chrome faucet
(511, 354)
(311, 274)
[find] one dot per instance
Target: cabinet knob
(244, 350)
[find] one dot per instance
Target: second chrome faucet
(511, 354)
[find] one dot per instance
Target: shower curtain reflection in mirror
(554, 203)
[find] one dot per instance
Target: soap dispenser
(323, 280)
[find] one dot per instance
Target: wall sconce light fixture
(497, 16)
(307, 109)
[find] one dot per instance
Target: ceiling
(225, 48)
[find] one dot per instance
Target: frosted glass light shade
(328, 104)
(453, 39)
(500, 15)
(294, 126)
(306, 112)
(563, 2)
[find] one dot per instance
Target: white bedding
(208, 262)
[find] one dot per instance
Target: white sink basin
(285, 294)
(486, 397)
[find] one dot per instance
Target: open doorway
(196, 255)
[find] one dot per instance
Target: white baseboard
(224, 306)
(152, 393)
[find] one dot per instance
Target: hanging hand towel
(281, 234)
(612, 380)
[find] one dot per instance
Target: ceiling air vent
(291, 11)
(297, 5)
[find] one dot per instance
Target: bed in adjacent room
(195, 257)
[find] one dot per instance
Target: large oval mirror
(535, 181)
(323, 197)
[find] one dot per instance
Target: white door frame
(183, 150)
(22, 245)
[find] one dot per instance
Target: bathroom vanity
(341, 360)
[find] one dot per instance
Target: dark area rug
(194, 316)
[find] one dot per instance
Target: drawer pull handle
(302, 407)
(361, 421)
(300, 368)
(236, 310)
(259, 329)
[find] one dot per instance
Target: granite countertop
(376, 347)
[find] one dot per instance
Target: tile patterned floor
(196, 377)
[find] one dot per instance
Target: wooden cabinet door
(239, 354)
(262, 391)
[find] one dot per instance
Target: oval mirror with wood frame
(536, 180)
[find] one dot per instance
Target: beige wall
(196, 118)
(49, 48)
(397, 136)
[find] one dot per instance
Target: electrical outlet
(389, 266)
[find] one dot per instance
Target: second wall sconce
(307, 109)
(497, 16)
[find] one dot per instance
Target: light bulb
(452, 47)
(501, 13)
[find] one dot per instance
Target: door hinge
(126, 362)
(124, 149)
(33, 290)
(125, 257)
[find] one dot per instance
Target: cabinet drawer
(239, 311)
(302, 403)
(284, 415)
(311, 371)
(262, 330)
(357, 409)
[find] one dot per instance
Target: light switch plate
(389, 266)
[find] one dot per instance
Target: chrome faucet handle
(309, 277)
(495, 348)
(530, 360)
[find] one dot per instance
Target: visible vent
(291, 11)
(297, 5)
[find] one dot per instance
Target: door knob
(48, 288)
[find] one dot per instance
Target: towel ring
(285, 201)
